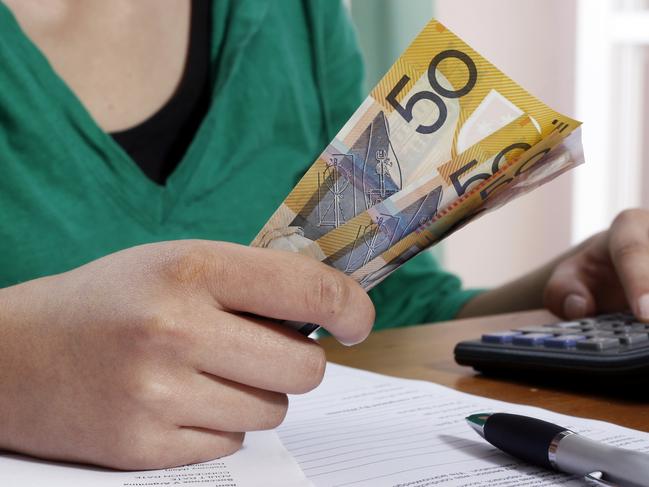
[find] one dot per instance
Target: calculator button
(633, 338)
(530, 339)
(613, 317)
(563, 341)
(614, 326)
(534, 329)
(638, 328)
(500, 336)
(548, 329)
(565, 324)
(598, 344)
(603, 334)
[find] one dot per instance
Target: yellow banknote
(370, 233)
(439, 99)
(444, 137)
(541, 163)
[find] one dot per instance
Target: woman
(134, 122)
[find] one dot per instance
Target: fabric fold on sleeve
(419, 292)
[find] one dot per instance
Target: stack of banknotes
(442, 139)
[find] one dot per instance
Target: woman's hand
(608, 272)
(165, 354)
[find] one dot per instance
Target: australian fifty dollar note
(444, 137)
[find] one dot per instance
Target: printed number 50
(406, 112)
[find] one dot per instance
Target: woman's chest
(68, 194)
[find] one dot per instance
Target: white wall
(533, 41)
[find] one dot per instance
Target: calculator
(610, 346)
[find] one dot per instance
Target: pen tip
(477, 422)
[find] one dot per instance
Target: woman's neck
(122, 58)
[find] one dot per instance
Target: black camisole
(159, 143)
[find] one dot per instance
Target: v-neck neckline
(117, 172)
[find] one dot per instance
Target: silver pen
(551, 446)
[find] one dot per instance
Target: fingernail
(574, 306)
(643, 306)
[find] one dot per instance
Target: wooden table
(426, 352)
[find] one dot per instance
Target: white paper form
(364, 429)
(262, 461)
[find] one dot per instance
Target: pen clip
(596, 479)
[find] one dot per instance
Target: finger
(288, 286)
(629, 250)
(567, 293)
(256, 352)
(218, 404)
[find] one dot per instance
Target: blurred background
(586, 58)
